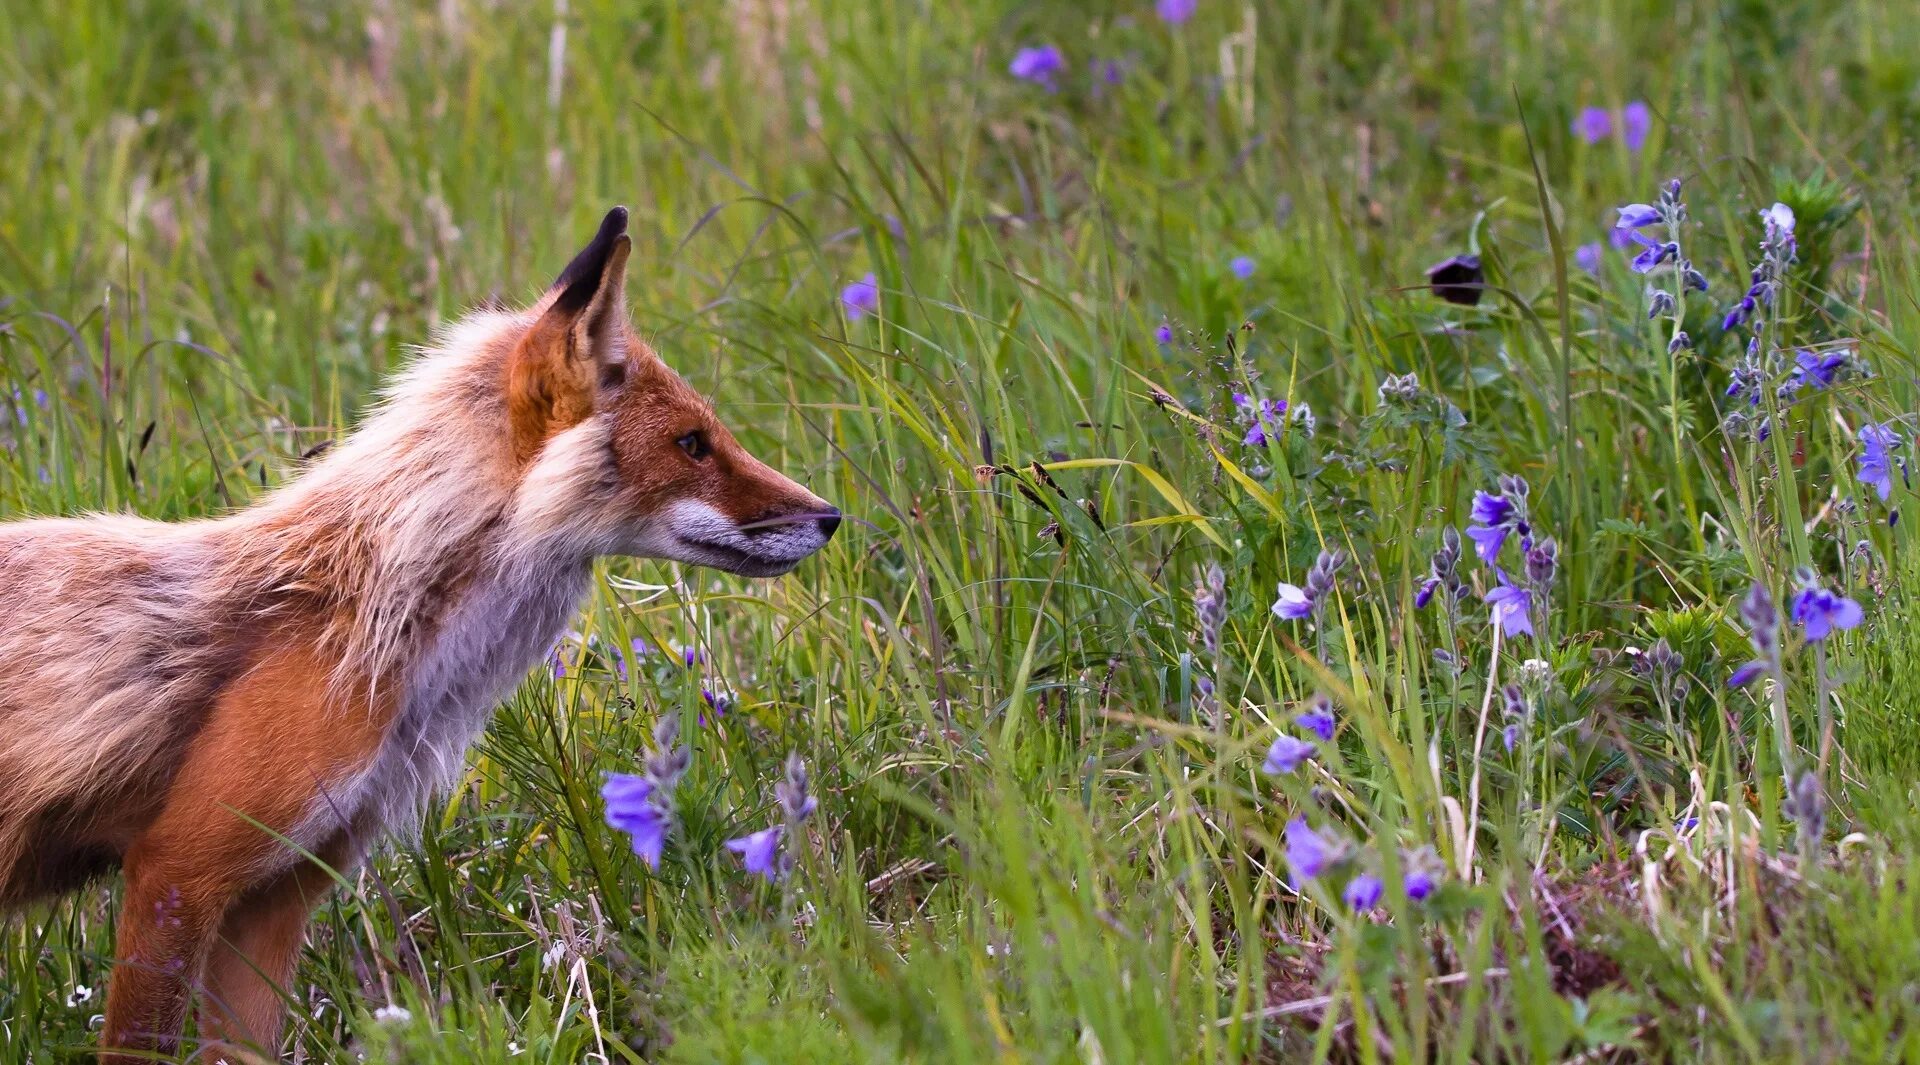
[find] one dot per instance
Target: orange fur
(204, 704)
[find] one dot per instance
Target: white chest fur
(500, 627)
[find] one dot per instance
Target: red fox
(202, 704)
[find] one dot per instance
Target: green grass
(221, 224)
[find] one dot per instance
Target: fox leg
(249, 967)
(259, 769)
(169, 912)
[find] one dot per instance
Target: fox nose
(829, 521)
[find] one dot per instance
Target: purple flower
(1268, 416)
(1164, 334)
(1363, 892)
(1621, 239)
(1174, 12)
(1242, 266)
(1308, 852)
(1820, 371)
(1494, 516)
(1779, 217)
(1512, 609)
(1818, 612)
(1108, 71)
(1285, 755)
(1636, 121)
(1593, 124)
(1491, 509)
(631, 809)
(760, 851)
(1637, 215)
(1876, 459)
(1747, 674)
(861, 298)
(1293, 603)
(1317, 718)
(1419, 884)
(1652, 254)
(1738, 315)
(1040, 65)
(1588, 257)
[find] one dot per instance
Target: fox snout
(766, 546)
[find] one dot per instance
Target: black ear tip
(582, 275)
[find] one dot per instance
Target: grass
(222, 224)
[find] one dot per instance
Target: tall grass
(222, 224)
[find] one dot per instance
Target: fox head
(641, 462)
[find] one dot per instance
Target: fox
(233, 711)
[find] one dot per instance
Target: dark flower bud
(1457, 280)
(1542, 560)
(1659, 302)
(1680, 342)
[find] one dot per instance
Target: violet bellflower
(1636, 122)
(1295, 603)
(1588, 257)
(1876, 457)
(1363, 892)
(862, 297)
(1496, 515)
(630, 808)
(1819, 370)
(1420, 871)
(1318, 718)
(760, 851)
(1040, 64)
(1819, 612)
(1512, 608)
(1175, 12)
(1286, 755)
(1593, 124)
(1308, 852)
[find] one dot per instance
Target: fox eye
(695, 445)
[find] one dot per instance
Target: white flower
(391, 1014)
(1780, 216)
(81, 995)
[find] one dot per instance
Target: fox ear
(577, 348)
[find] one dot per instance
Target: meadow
(1242, 645)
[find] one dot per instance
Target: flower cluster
(642, 806)
(1263, 418)
(1777, 251)
(1498, 515)
(1662, 667)
(760, 852)
(1312, 855)
(1816, 609)
(1296, 603)
(1443, 573)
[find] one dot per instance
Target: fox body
(203, 704)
